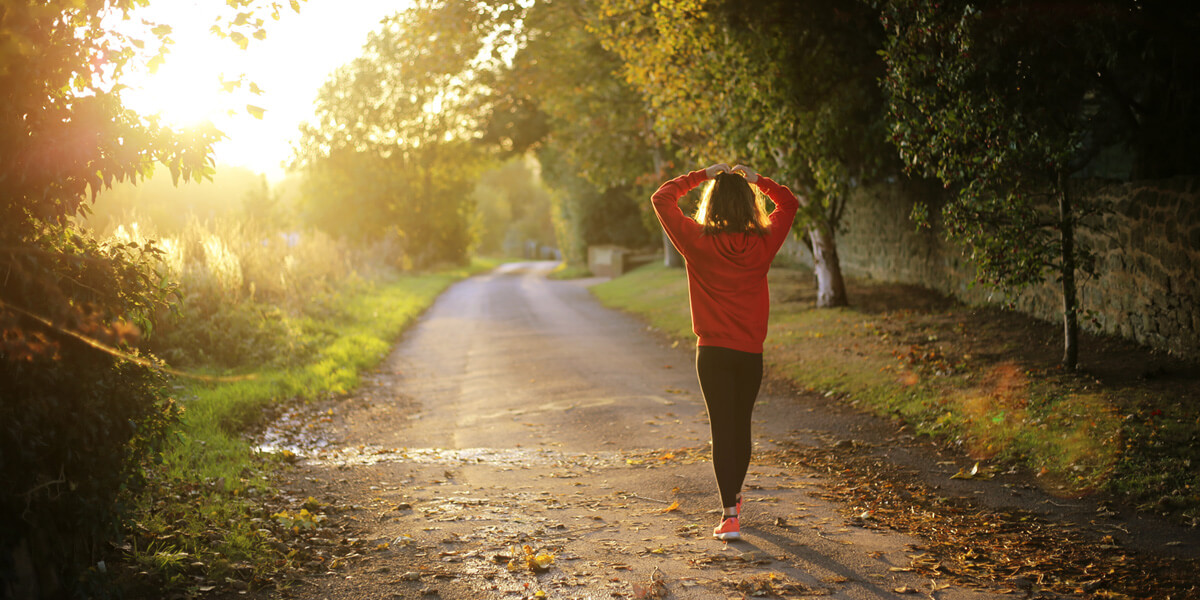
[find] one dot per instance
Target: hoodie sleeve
(786, 206)
(679, 227)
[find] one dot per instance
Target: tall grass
(252, 296)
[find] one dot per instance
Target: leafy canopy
(395, 143)
(996, 100)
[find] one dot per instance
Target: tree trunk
(1069, 291)
(671, 256)
(831, 288)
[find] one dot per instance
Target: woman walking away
(728, 248)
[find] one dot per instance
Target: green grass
(969, 378)
(362, 333)
(203, 504)
(657, 293)
(564, 271)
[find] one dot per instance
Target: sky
(298, 54)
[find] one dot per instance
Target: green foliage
(208, 498)
(394, 146)
(587, 214)
(83, 410)
(595, 120)
(78, 430)
(512, 208)
(67, 137)
(997, 108)
(1005, 100)
(80, 420)
(512, 77)
(560, 98)
(787, 87)
(249, 294)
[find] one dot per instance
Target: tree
(397, 134)
(170, 207)
(513, 209)
(595, 142)
(80, 407)
(1005, 100)
(535, 80)
(787, 84)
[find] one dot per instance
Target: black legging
(729, 380)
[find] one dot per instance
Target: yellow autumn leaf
(543, 560)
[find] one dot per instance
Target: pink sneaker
(728, 530)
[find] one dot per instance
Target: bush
(80, 411)
(246, 292)
(237, 336)
(76, 433)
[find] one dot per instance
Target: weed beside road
(984, 380)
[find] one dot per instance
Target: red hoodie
(727, 272)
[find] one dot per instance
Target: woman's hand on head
(750, 174)
(716, 169)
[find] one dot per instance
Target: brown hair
(731, 205)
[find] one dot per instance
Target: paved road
(519, 412)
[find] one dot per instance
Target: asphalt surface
(518, 412)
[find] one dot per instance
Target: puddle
(297, 431)
(502, 457)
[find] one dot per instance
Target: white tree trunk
(831, 288)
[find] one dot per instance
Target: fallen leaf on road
(674, 506)
(974, 473)
(527, 558)
(655, 590)
(769, 584)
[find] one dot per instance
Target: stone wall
(1146, 241)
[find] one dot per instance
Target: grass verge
(984, 380)
(565, 271)
(211, 519)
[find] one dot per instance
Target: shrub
(77, 421)
(245, 292)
